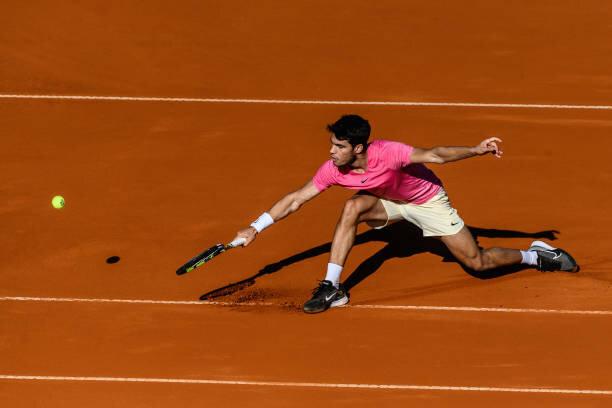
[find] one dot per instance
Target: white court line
(382, 307)
(307, 384)
(303, 102)
(485, 309)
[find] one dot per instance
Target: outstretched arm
(283, 207)
(448, 154)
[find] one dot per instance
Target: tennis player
(394, 184)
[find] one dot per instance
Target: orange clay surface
(156, 183)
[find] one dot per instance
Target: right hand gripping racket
(207, 255)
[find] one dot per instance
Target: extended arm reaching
(283, 207)
(444, 154)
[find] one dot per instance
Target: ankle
(333, 273)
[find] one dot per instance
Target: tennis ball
(58, 202)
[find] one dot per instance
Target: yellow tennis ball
(58, 202)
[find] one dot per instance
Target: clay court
(168, 126)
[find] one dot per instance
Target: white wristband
(263, 222)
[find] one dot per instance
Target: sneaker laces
(322, 285)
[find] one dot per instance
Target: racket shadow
(403, 240)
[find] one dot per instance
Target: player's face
(341, 152)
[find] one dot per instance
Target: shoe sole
(336, 303)
(340, 302)
(539, 245)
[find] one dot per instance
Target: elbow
(436, 159)
(432, 156)
(295, 205)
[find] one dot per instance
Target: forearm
(446, 154)
(280, 210)
(284, 207)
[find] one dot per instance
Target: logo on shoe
(554, 254)
(328, 298)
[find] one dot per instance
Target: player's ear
(358, 149)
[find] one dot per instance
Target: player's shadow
(403, 240)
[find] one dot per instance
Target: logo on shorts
(454, 223)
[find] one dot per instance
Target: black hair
(353, 128)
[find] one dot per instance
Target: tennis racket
(207, 255)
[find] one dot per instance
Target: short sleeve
(324, 177)
(398, 154)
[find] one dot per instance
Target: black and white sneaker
(324, 296)
(553, 259)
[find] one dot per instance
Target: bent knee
(351, 209)
(475, 263)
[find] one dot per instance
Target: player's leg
(545, 257)
(463, 247)
(437, 218)
(359, 208)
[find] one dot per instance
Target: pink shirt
(389, 175)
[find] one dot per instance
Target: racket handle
(237, 242)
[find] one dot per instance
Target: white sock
(333, 274)
(529, 257)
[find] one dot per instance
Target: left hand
(489, 146)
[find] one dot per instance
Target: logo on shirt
(364, 180)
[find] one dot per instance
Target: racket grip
(237, 242)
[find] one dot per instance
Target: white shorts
(435, 217)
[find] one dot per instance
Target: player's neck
(360, 164)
